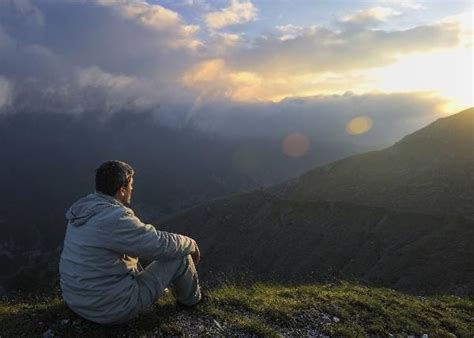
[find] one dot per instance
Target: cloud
(410, 4)
(6, 42)
(5, 92)
(237, 13)
(134, 56)
(117, 91)
(320, 49)
(368, 17)
(291, 31)
(126, 53)
(466, 22)
(312, 60)
(95, 77)
(24, 10)
(219, 44)
(214, 79)
(157, 18)
(322, 118)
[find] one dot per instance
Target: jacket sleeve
(130, 236)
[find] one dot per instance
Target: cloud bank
(105, 56)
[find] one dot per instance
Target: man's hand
(196, 255)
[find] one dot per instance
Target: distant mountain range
(399, 217)
(431, 171)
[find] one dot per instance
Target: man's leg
(185, 287)
(178, 274)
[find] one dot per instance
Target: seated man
(99, 274)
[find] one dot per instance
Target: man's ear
(119, 192)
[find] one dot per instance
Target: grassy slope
(332, 309)
(300, 242)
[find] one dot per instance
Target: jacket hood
(86, 207)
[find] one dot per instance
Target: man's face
(124, 194)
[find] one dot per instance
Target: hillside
(400, 217)
(431, 170)
(257, 236)
(270, 310)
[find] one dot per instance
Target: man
(99, 275)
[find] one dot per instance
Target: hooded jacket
(98, 263)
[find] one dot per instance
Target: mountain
(394, 217)
(257, 236)
(431, 170)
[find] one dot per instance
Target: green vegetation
(344, 309)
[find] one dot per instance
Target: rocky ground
(341, 309)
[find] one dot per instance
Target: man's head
(115, 178)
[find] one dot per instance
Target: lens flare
(359, 125)
(295, 145)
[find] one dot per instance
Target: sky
(219, 63)
(330, 47)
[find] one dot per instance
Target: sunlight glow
(448, 73)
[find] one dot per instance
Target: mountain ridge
(402, 237)
(421, 172)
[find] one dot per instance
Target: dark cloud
(83, 55)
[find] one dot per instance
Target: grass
(343, 309)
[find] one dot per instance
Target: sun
(447, 73)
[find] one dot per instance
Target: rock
(424, 335)
(336, 319)
(217, 324)
(48, 333)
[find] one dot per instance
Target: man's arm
(196, 255)
(130, 236)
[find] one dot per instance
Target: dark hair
(112, 175)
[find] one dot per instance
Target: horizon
(294, 143)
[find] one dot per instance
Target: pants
(179, 275)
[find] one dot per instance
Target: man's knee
(179, 274)
(183, 265)
(186, 286)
